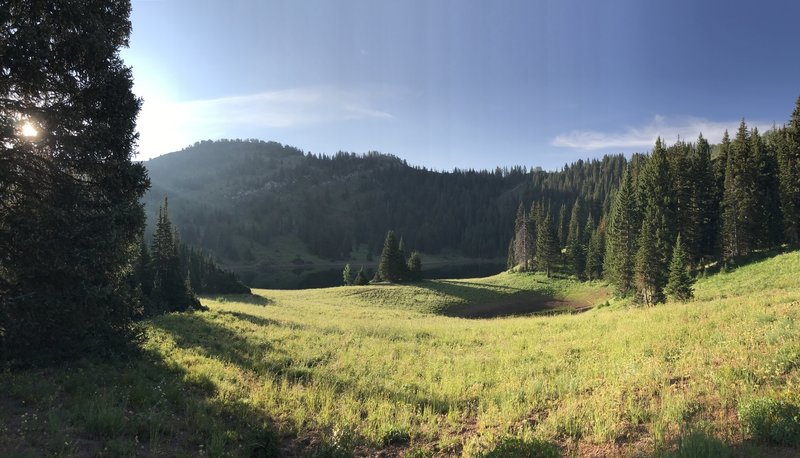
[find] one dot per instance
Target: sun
(27, 130)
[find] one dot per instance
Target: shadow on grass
(252, 299)
(141, 406)
(742, 261)
(480, 301)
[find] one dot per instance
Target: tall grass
(353, 370)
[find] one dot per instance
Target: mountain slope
(279, 216)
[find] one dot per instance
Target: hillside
(282, 218)
(330, 372)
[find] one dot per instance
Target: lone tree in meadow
(361, 277)
(679, 286)
(392, 266)
(347, 277)
(415, 267)
(70, 212)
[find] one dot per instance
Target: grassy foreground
(396, 369)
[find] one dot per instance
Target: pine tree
(415, 267)
(546, 244)
(739, 207)
(70, 214)
(170, 290)
(768, 223)
(576, 255)
(595, 250)
(392, 266)
(704, 204)
(521, 241)
(650, 273)
(563, 228)
(679, 286)
(510, 260)
(623, 230)
(361, 277)
(347, 277)
(789, 176)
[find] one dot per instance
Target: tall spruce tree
(739, 206)
(650, 272)
(521, 238)
(576, 254)
(768, 223)
(546, 244)
(704, 205)
(679, 286)
(595, 250)
(171, 290)
(623, 231)
(392, 266)
(789, 176)
(70, 214)
(510, 259)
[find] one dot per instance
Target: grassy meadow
(498, 366)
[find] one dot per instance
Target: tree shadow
(480, 301)
(252, 299)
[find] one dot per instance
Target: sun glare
(27, 130)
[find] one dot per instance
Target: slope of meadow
(397, 369)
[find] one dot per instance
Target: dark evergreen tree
(361, 277)
(415, 267)
(510, 260)
(623, 230)
(739, 206)
(347, 277)
(768, 223)
(563, 228)
(171, 291)
(69, 195)
(789, 176)
(546, 244)
(650, 271)
(679, 286)
(205, 275)
(392, 266)
(704, 205)
(595, 250)
(521, 240)
(576, 254)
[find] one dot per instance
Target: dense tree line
(674, 211)
(236, 199)
(679, 208)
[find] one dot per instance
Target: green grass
(349, 370)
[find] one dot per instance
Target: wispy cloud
(644, 137)
(166, 126)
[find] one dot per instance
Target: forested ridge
(241, 199)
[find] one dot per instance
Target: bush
(700, 445)
(772, 421)
(519, 448)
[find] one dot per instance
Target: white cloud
(644, 137)
(168, 126)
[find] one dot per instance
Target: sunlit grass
(353, 370)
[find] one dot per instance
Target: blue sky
(468, 84)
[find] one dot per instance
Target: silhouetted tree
(70, 215)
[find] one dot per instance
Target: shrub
(519, 448)
(698, 444)
(770, 420)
